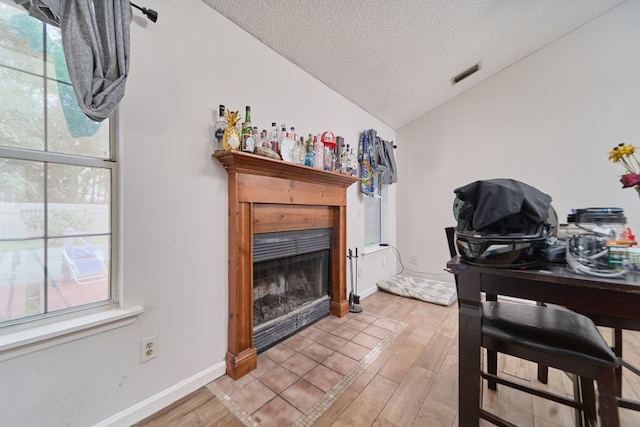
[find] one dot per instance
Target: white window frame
(26, 335)
(383, 197)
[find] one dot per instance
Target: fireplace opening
(291, 283)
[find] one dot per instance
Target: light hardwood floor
(413, 381)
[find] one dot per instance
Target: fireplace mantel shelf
(241, 162)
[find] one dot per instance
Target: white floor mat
(433, 291)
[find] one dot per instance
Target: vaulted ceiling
(396, 58)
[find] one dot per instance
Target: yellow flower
(615, 155)
(624, 154)
(628, 150)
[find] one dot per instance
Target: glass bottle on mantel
(345, 164)
(218, 129)
(353, 159)
(256, 137)
(301, 153)
(247, 131)
(281, 136)
(310, 156)
(273, 138)
(264, 139)
(295, 153)
(286, 147)
(329, 159)
(318, 148)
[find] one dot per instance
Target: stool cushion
(547, 329)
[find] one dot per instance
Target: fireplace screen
(291, 283)
(286, 284)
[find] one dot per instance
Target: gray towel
(385, 161)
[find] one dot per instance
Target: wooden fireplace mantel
(267, 195)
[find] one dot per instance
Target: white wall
(548, 120)
(174, 218)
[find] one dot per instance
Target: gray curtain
(95, 39)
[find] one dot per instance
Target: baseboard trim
(369, 291)
(164, 398)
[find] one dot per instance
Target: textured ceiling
(395, 59)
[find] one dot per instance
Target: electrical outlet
(148, 348)
(359, 271)
(414, 260)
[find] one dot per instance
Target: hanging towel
(367, 162)
(386, 161)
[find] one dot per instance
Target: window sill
(19, 343)
(373, 249)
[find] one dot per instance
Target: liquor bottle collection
(322, 151)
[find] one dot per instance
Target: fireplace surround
(265, 196)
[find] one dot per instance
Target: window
(373, 216)
(57, 174)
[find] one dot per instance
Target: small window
(57, 174)
(373, 216)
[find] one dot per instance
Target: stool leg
(607, 400)
(587, 395)
(492, 356)
(617, 349)
(543, 371)
(577, 413)
(492, 368)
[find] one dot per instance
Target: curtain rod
(151, 14)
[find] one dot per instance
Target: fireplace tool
(353, 298)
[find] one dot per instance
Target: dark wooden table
(554, 284)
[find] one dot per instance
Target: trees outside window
(373, 216)
(57, 175)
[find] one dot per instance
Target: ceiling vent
(466, 73)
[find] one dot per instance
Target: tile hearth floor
(298, 379)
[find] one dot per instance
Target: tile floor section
(297, 380)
